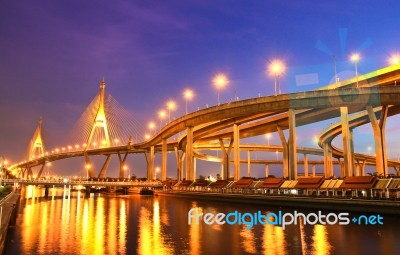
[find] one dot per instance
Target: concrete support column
(179, 164)
(313, 170)
(225, 158)
(305, 159)
(348, 161)
(22, 173)
(362, 167)
(397, 171)
(122, 167)
(382, 125)
(164, 160)
(357, 169)
(189, 154)
(194, 168)
(266, 170)
(292, 145)
(353, 161)
(89, 166)
(236, 153)
(328, 163)
(341, 168)
(379, 138)
(285, 158)
(29, 173)
(150, 163)
(41, 170)
(104, 168)
(248, 164)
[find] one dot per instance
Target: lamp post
(220, 81)
(188, 95)
(161, 115)
(152, 127)
(394, 59)
(316, 140)
(355, 58)
(369, 149)
(171, 106)
(276, 68)
(87, 166)
(268, 136)
(48, 169)
(129, 171)
(156, 170)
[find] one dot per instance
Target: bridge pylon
(100, 121)
(36, 148)
(99, 125)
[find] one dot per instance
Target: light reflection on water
(68, 222)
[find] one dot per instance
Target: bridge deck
(84, 183)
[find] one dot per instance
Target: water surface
(68, 222)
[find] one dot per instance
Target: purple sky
(54, 53)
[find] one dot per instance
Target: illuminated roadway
(257, 116)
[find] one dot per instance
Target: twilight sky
(54, 53)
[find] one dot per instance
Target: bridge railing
(85, 183)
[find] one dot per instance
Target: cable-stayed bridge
(370, 98)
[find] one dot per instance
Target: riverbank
(296, 202)
(7, 206)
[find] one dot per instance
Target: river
(69, 222)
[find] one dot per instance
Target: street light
(157, 170)
(129, 171)
(162, 115)
(152, 126)
(268, 136)
(48, 169)
(87, 166)
(355, 58)
(171, 106)
(276, 68)
(220, 81)
(369, 149)
(316, 140)
(188, 95)
(394, 59)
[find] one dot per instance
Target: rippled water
(68, 222)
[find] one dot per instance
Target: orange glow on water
(321, 244)
(194, 233)
(273, 240)
(248, 240)
(71, 222)
(151, 238)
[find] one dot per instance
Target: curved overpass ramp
(261, 115)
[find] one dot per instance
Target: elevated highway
(226, 124)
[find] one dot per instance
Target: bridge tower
(100, 121)
(36, 148)
(100, 126)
